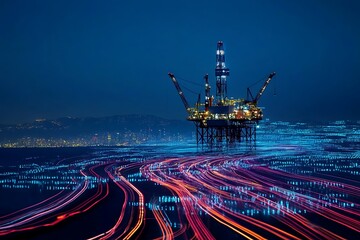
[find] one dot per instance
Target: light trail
(196, 196)
(212, 182)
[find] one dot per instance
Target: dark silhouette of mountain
(74, 127)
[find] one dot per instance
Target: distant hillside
(75, 127)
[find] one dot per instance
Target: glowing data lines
(228, 191)
(300, 182)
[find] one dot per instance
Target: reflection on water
(297, 181)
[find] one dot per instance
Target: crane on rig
(230, 119)
(254, 112)
(262, 89)
(180, 92)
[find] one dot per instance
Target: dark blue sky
(100, 58)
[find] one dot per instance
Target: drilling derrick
(221, 72)
(224, 120)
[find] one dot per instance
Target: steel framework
(235, 132)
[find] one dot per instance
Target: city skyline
(97, 58)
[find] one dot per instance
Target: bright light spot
(61, 217)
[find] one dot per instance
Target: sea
(296, 181)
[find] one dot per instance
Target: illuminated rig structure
(223, 119)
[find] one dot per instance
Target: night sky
(104, 58)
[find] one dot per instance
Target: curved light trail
(194, 195)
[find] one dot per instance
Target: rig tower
(221, 72)
(223, 120)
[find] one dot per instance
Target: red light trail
(240, 193)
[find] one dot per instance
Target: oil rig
(223, 119)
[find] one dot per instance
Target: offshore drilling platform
(223, 119)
